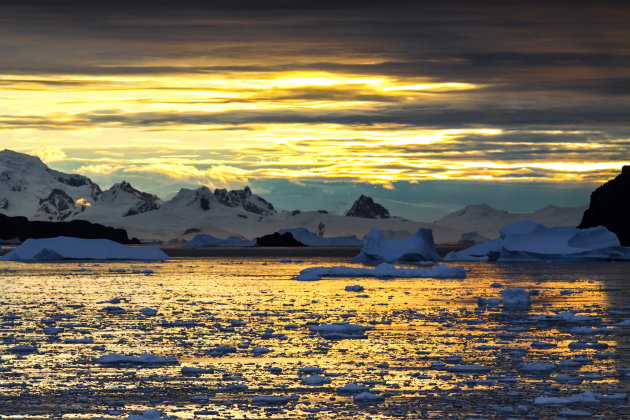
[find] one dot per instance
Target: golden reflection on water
(418, 324)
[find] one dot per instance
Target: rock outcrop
(276, 239)
(610, 207)
(21, 228)
(367, 208)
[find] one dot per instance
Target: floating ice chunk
(23, 349)
(149, 311)
(259, 351)
(202, 241)
(573, 413)
(492, 302)
(113, 310)
(528, 241)
(355, 288)
(315, 380)
(624, 323)
(148, 415)
(566, 316)
(537, 367)
(64, 248)
(221, 350)
(377, 248)
(340, 330)
(586, 397)
(272, 400)
(590, 331)
(309, 238)
(579, 345)
(368, 398)
(543, 345)
(310, 370)
(496, 285)
(515, 299)
(382, 270)
(195, 371)
(467, 369)
(84, 340)
(352, 389)
(113, 359)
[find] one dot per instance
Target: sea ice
(113, 359)
(64, 248)
(467, 369)
(515, 299)
(315, 380)
(340, 330)
(352, 389)
(377, 248)
(586, 397)
(355, 288)
(368, 398)
(203, 241)
(272, 400)
(148, 415)
(149, 311)
(381, 270)
(529, 241)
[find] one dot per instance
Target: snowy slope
(29, 188)
(486, 220)
(121, 200)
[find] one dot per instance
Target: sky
(426, 106)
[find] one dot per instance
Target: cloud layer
(382, 93)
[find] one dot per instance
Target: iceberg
(309, 238)
(382, 270)
(204, 241)
(515, 299)
(529, 241)
(377, 248)
(340, 330)
(67, 248)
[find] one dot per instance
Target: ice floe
(340, 330)
(65, 248)
(529, 241)
(368, 398)
(417, 248)
(515, 299)
(382, 270)
(114, 359)
(148, 415)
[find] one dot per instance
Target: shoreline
(256, 251)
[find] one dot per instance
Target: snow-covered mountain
(30, 188)
(485, 220)
(245, 200)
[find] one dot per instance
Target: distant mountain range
(30, 188)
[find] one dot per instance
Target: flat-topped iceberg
(204, 241)
(309, 238)
(377, 248)
(340, 330)
(66, 248)
(381, 270)
(529, 241)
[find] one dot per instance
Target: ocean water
(430, 352)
